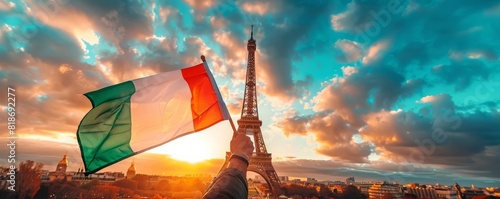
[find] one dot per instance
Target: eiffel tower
(249, 123)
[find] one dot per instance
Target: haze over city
(397, 90)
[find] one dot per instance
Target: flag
(135, 116)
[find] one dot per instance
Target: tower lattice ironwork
(249, 123)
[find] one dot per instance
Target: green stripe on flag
(104, 133)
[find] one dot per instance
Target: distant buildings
(283, 178)
(385, 190)
(364, 187)
(349, 181)
(425, 192)
(131, 171)
(311, 180)
(60, 172)
(374, 190)
(446, 193)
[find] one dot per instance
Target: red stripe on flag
(205, 108)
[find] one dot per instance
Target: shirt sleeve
(229, 184)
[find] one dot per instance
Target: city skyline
(397, 90)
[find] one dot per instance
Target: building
(60, 172)
(283, 178)
(446, 193)
(422, 192)
(131, 171)
(311, 180)
(472, 192)
(349, 181)
(364, 187)
(338, 186)
(385, 191)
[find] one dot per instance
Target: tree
(90, 185)
(157, 196)
(28, 179)
(142, 181)
(351, 192)
(324, 191)
(107, 191)
(126, 184)
(60, 189)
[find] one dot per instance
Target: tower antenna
(251, 34)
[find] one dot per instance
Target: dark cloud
(118, 19)
(461, 74)
(368, 89)
(337, 170)
(289, 31)
(362, 14)
(414, 53)
(436, 134)
(54, 46)
(331, 132)
(445, 137)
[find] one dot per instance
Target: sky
(397, 90)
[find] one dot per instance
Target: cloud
(233, 100)
(368, 89)
(258, 7)
(437, 134)
(335, 170)
(349, 51)
(234, 53)
(278, 47)
(374, 52)
(360, 15)
(462, 74)
(198, 6)
(331, 133)
(54, 46)
(392, 60)
(447, 139)
(293, 124)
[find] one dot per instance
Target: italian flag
(135, 116)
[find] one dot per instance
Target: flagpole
(234, 128)
(230, 119)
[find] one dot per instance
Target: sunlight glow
(373, 157)
(208, 144)
(191, 148)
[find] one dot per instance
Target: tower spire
(249, 109)
(251, 34)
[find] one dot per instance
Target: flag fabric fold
(135, 116)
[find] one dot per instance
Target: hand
(241, 144)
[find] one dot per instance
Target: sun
(190, 148)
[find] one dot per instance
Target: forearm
(230, 183)
(238, 165)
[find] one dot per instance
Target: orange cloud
(257, 7)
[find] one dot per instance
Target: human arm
(231, 182)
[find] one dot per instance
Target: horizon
(251, 175)
(400, 90)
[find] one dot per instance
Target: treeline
(125, 188)
(321, 191)
(29, 185)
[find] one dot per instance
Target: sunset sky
(397, 90)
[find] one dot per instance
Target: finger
(249, 145)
